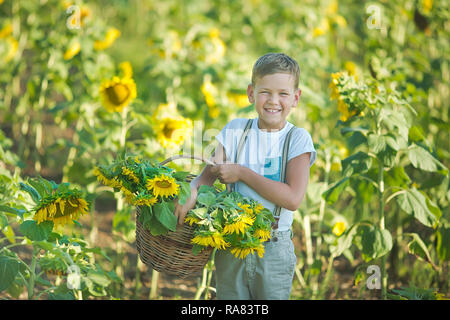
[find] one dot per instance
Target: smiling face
(273, 95)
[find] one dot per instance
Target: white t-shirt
(262, 153)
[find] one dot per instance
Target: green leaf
(376, 142)
(416, 134)
(196, 249)
(99, 278)
(356, 139)
(397, 177)
(34, 231)
(207, 198)
(200, 212)
(422, 159)
(359, 162)
(8, 270)
(332, 194)
(345, 241)
(394, 142)
(387, 155)
(417, 247)
(33, 193)
(180, 175)
(164, 212)
(414, 293)
(12, 210)
(205, 188)
(443, 243)
(185, 192)
(61, 296)
(41, 189)
(156, 228)
(396, 119)
(417, 204)
(375, 242)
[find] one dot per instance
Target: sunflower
(72, 51)
(246, 208)
(214, 240)
(339, 228)
(145, 200)
(262, 234)
(258, 208)
(241, 224)
(209, 90)
(8, 49)
(126, 69)
(333, 85)
(117, 93)
(219, 47)
(171, 132)
(242, 252)
(163, 186)
(344, 110)
(240, 100)
(6, 30)
(61, 210)
(191, 220)
(130, 174)
(114, 182)
(111, 35)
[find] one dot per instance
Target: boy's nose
(274, 99)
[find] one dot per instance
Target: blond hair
(271, 63)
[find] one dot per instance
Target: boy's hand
(227, 173)
(182, 210)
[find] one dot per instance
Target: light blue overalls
(266, 278)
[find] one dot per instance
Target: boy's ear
(250, 93)
(298, 93)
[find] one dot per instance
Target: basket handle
(228, 187)
(187, 157)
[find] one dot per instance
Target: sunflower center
(163, 184)
(168, 130)
(118, 93)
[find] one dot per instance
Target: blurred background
(82, 81)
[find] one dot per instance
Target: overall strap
(284, 160)
(240, 147)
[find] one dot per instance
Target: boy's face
(273, 95)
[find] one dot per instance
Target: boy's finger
(181, 218)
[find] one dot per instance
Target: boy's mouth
(272, 110)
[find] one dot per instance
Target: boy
(256, 174)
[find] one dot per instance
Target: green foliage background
(53, 124)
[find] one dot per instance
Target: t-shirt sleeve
(301, 142)
(229, 136)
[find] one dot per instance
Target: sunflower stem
(72, 150)
(31, 282)
(137, 284)
(382, 227)
(202, 285)
(154, 285)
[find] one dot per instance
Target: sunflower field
(94, 95)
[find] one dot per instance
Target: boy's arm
(206, 177)
(287, 195)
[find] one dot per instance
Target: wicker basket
(171, 253)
